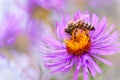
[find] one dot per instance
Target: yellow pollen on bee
(78, 44)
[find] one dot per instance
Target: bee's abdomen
(83, 25)
(88, 26)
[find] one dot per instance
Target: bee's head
(68, 30)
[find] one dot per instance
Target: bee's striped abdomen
(83, 25)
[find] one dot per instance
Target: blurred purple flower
(99, 3)
(34, 29)
(24, 70)
(45, 4)
(10, 28)
(66, 51)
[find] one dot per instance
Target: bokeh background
(23, 61)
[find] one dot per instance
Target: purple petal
(56, 64)
(92, 70)
(94, 21)
(101, 27)
(77, 71)
(102, 60)
(77, 16)
(70, 65)
(87, 19)
(58, 51)
(60, 68)
(99, 52)
(106, 34)
(54, 42)
(98, 69)
(108, 39)
(85, 70)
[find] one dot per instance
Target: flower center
(78, 44)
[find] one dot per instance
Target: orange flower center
(78, 44)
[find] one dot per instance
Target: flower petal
(85, 71)
(98, 69)
(102, 60)
(77, 70)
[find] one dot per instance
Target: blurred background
(19, 47)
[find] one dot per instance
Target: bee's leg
(86, 31)
(75, 34)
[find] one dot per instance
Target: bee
(74, 26)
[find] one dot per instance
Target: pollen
(78, 44)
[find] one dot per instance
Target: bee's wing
(85, 17)
(70, 22)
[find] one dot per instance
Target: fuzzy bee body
(73, 26)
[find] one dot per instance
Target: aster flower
(44, 5)
(99, 3)
(32, 31)
(23, 70)
(9, 30)
(47, 4)
(82, 50)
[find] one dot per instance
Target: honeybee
(74, 26)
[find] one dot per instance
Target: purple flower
(32, 30)
(47, 4)
(99, 3)
(10, 28)
(44, 5)
(82, 48)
